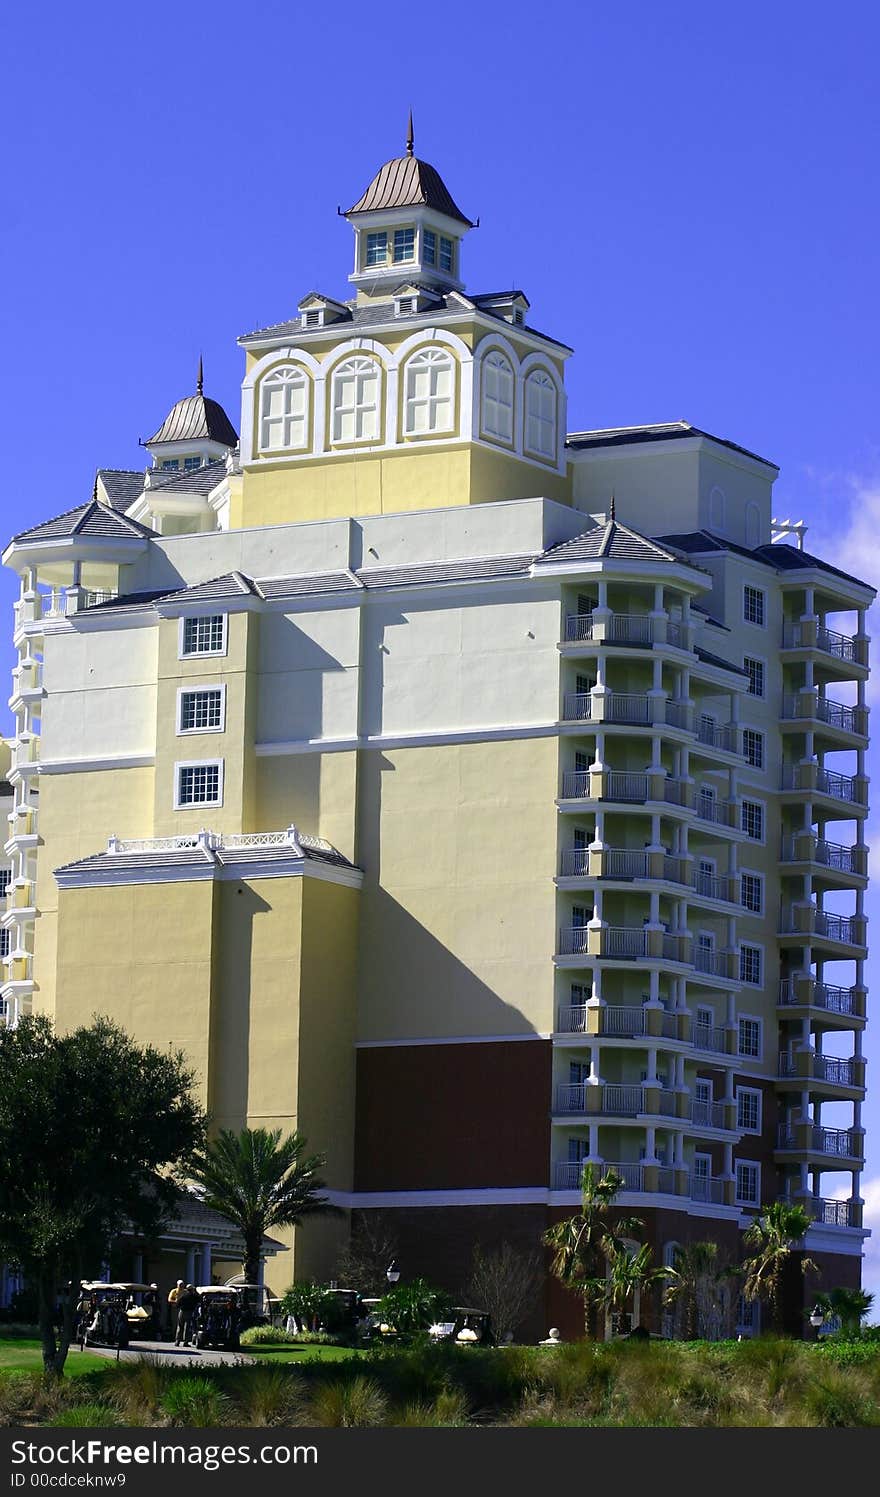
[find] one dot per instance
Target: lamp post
(817, 1317)
(392, 1273)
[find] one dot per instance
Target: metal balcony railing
(708, 1114)
(828, 1213)
(830, 1068)
(841, 646)
(709, 1037)
(826, 782)
(720, 812)
(807, 920)
(707, 1188)
(841, 1142)
(808, 848)
(720, 736)
(835, 1000)
(805, 704)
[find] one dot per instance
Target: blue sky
(687, 193)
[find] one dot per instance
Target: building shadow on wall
(236, 908)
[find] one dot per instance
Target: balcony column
(595, 999)
(678, 1074)
(650, 1146)
(594, 1157)
(729, 1091)
(658, 615)
(727, 1162)
(594, 1078)
(599, 752)
(651, 1078)
(805, 1107)
(809, 604)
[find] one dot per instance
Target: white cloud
(870, 1192)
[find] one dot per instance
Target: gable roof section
(609, 542)
(661, 431)
(787, 558)
(87, 520)
(121, 485)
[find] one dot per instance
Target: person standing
(187, 1307)
(173, 1313)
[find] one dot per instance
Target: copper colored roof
(407, 182)
(196, 418)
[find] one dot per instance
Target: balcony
(625, 787)
(812, 926)
(709, 1189)
(712, 1038)
(814, 780)
(811, 708)
(26, 752)
(810, 1138)
(720, 813)
(611, 1100)
(617, 1021)
(807, 1067)
(802, 991)
(840, 649)
(632, 865)
(712, 1115)
(624, 943)
(724, 736)
(567, 1174)
(805, 847)
(626, 709)
(827, 1213)
(712, 963)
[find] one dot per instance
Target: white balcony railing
(830, 1068)
(709, 1037)
(708, 1114)
(707, 1188)
(809, 704)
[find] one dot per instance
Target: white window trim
(752, 1091)
(704, 1008)
(202, 654)
(188, 690)
(754, 1019)
(701, 1154)
(197, 764)
(356, 358)
(762, 661)
(762, 736)
(763, 592)
(266, 380)
(486, 431)
(753, 946)
(430, 356)
(706, 939)
(752, 873)
(750, 1164)
(705, 1081)
(528, 379)
(752, 800)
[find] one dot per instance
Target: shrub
(18, 1394)
(269, 1396)
(413, 1307)
(266, 1335)
(136, 1388)
(449, 1409)
(83, 1416)
(196, 1402)
(358, 1404)
(837, 1400)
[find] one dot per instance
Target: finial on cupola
(612, 507)
(410, 141)
(200, 379)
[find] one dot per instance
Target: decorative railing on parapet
(218, 841)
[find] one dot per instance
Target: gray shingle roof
(709, 659)
(121, 485)
(663, 431)
(787, 558)
(197, 481)
(609, 542)
(199, 860)
(197, 418)
(463, 570)
(304, 586)
(87, 520)
(375, 313)
(216, 589)
(407, 182)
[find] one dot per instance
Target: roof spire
(200, 378)
(410, 142)
(611, 516)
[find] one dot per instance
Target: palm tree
(258, 1180)
(774, 1234)
(630, 1269)
(582, 1243)
(849, 1305)
(697, 1282)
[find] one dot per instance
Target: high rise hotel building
(478, 796)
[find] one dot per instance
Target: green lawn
(20, 1354)
(319, 1353)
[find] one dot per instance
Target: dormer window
(517, 319)
(429, 247)
(404, 245)
(312, 319)
(170, 465)
(377, 249)
(405, 306)
(190, 464)
(447, 254)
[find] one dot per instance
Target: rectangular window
(755, 669)
(447, 254)
(429, 247)
(190, 464)
(377, 248)
(201, 711)
(199, 784)
(752, 819)
(752, 892)
(404, 245)
(169, 465)
(753, 747)
(753, 606)
(5, 881)
(748, 1183)
(749, 1036)
(5, 943)
(748, 1109)
(750, 964)
(205, 635)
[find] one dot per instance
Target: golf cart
(218, 1319)
(464, 1328)
(103, 1315)
(256, 1306)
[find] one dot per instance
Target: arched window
(717, 506)
(497, 418)
(429, 400)
(541, 414)
(357, 385)
(753, 524)
(284, 409)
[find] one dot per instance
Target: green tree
(258, 1180)
(314, 1306)
(413, 1307)
(506, 1284)
(92, 1126)
(583, 1243)
(703, 1290)
(774, 1235)
(850, 1306)
(630, 1270)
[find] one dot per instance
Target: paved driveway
(169, 1355)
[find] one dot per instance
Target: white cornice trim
(406, 740)
(694, 443)
(107, 874)
(97, 762)
(525, 1195)
(454, 1039)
